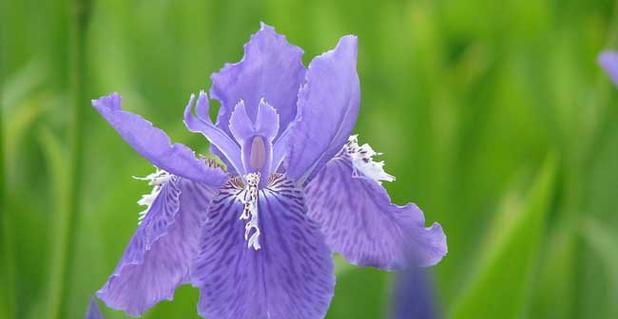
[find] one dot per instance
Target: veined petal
(153, 144)
(93, 311)
(159, 256)
(271, 68)
(327, 109)
(609, 61)
(289, 277)
(360, 222)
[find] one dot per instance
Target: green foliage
(493, 115)
(502, 282)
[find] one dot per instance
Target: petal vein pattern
(159, 256)
(290, 277)
(360, 222)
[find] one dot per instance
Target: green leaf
(602, 240)
(54, 152)
(554, 288)
(499, 288)
(360, 293)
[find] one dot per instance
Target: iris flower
(413, 296)
(256, 235)
(609, 61)
(93, 311)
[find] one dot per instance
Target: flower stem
(78, 32)
(7, 281)
(68, 219)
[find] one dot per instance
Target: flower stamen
(250, 211)
(156, 180)
(363, 163)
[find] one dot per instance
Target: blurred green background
(493, 115)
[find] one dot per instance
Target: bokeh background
(494, 116)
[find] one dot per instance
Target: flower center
(257, 153)
(249, 197)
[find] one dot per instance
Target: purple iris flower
(609, 61)
(93, 311)
(413, 296)
(257, 236)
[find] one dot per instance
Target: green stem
(68, 219)
(7, 281)
(79, 25)
(7, 295)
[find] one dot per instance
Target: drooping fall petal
(290, 277)
(160, 254)
(360, 222)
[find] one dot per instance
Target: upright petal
(227, 149)
(159, 256)
(267, 121)
(153, 144)
(255, 139)
(289, 277)
(360, 222)
(241, 125)
(93, 311)
(327, 110)
(609, 61)
(271, 69)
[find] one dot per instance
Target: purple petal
(327, 109)
(289, 277)
(159, 256)
(241, 126)
(153, 144)
(271, 69)
(609, 61)
(360, 222)
(93, 311)
(266, 123)
(200, 122)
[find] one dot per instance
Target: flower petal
(153, 144)
(93, 311)
(360, 222)
(266, 123)
(159, 256)
(271, 69)
(609, 61)
(289, 277)
(227, 149)
(245, 131)
(327, 110)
